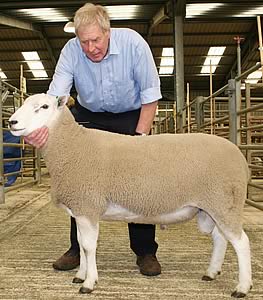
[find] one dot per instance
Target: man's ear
(62, 100)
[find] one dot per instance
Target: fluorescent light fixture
(31, 55)
(254, 77)
(47, 14)
(167, 61)
(253, 12)
(197, 10)
(69, 27)
(213, 58)
(34, 63)
(2, 74)
(122, 12)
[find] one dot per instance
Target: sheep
(158, 179)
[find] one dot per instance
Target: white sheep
(159, 179)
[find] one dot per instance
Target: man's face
(94, 42)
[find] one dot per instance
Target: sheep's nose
(12, 122)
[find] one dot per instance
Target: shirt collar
(113, 48)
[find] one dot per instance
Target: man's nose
(91, 47)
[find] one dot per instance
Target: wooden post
(188, 108)
(211, 100)
(260, 43)
(248, 132)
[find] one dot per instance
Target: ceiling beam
(158, 18)
(156, 46)
(13, 22)
(156, 34)
(70, 3)
(26, 70)
(156, 57)
(215, 43)
(29, 79)
(18, 61)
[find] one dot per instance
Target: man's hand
(38, 137)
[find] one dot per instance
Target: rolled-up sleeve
(146, 74)
(151, 95)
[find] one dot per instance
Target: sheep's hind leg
(88, 236)
(242, 248)
(218, 255)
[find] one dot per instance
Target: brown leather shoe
(148, 265)
(68, 261)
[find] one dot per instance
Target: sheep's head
(37, 111)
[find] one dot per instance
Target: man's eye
(45, 106)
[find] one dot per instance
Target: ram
(159, 179)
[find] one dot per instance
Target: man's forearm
(146, 117)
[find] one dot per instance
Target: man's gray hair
(90, 14)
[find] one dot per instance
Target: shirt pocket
(126, 90)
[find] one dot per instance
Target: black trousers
(142, 236)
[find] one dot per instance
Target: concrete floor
(33, 233)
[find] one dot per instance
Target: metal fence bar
(17, 186)
(218, 92)
(250, 127)
(255, 167)
(256, 205)
(20, 172)
(19, 158)
(255, 185)
(12, 88)
(249, 109)
(251, 147)
(247, 72)
(17, 145)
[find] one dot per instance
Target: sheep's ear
(62, 100)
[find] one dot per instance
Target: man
(118, 88)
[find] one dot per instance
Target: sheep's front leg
(87, 237)
(82, 272)
(218, 255)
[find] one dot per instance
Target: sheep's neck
(63, 135)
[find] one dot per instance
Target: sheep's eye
(45, 106)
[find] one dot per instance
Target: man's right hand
(38, 137)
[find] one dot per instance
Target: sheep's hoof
(77, 280)
(207, 278)
(237, 294)
(84, 290)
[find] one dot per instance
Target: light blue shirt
(124, 80)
